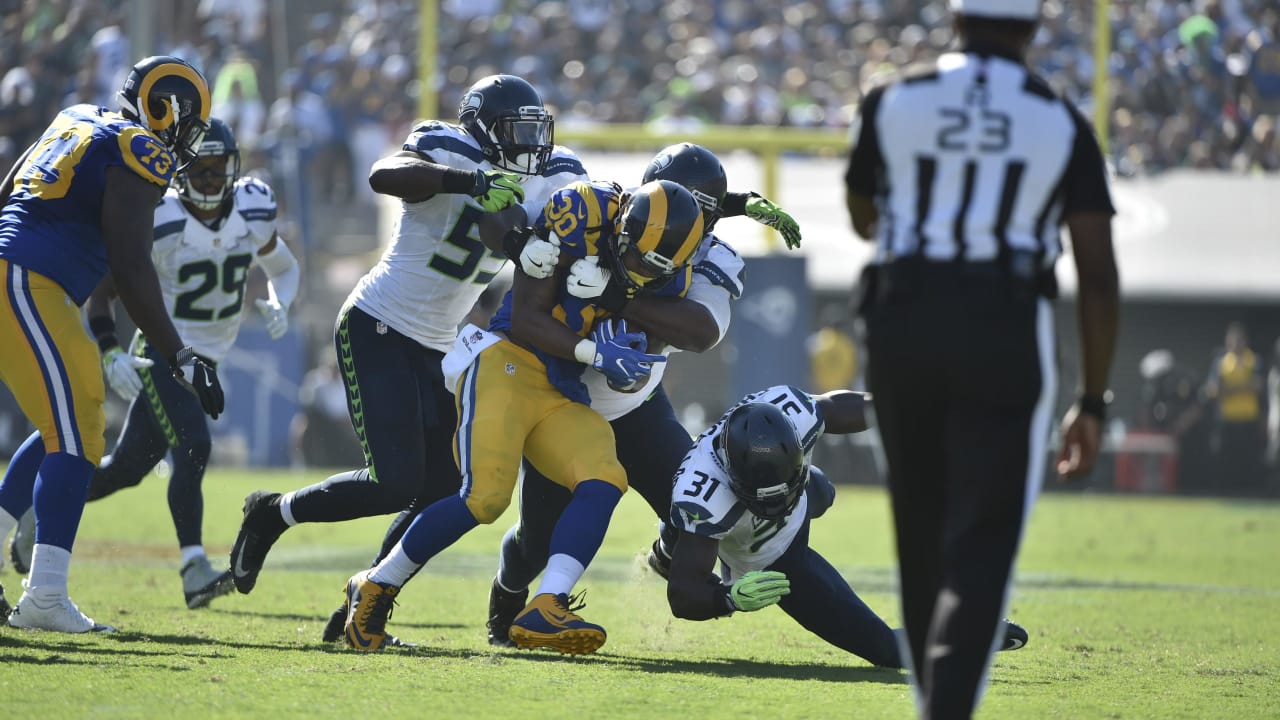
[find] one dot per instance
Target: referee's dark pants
(963, 375)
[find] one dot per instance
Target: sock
(578, 534)
(50, 565)
(191, 552)
(396, 568)
(562, 573)
(62, 486)
(19, 480)
(286, 509)
(514, 571)
(437, 527)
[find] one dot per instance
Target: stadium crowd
(1195, 84)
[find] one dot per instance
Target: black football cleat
(504, 606)
(261, 527)
(1015, 636)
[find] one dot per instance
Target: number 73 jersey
(703, 504)
(202, 270)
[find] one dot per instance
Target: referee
(963, 172)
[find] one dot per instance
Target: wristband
(460, 182)
(585, 352)
(735, 203)
(1095, 405)
(104, 331)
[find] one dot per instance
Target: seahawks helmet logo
(660, 163)
(471, 103)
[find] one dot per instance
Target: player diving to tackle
(740, 497)
(520, 394)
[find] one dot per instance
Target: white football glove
(539, 257)
(122, 369)
(276, 315)
(587, 280)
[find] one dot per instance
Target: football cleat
(53, 612)
(659, 561)
(261, 527)
(369, 606)
(5, 607)
(549, 622)
(23, 542)
(1015, 636)
(201, 583)
(335, 628)
(504, 606)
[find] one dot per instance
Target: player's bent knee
(489, 507)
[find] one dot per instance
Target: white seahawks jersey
(703, 504)
(202, 271)
(436, 266)
(717, 279)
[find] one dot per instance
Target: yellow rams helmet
(169, 97)
(663, 224)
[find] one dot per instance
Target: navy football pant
(405, 419)
(165, 419)
(650, 441)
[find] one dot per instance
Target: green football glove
(766, 213)
(496, 190)
(759, 589)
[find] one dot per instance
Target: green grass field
(1137, 608)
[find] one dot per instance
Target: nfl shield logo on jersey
(511, 368)
(381, 328)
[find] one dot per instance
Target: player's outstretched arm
(844, 411)
(413, 178)
(128, 212)
(693, 590)
(283, 277)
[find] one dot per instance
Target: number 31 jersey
(703, 504)
(202, 271)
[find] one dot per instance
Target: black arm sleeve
(1084, 183)
(735, 203)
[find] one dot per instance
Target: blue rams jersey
(581, 215)
(52, 222)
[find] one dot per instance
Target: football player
(740, 497)
(78, 204)
(650, 440)
(460, 188)
(521, 394)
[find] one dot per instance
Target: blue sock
(61, 489)
(580, 530)
(19, 481)
(437, 527)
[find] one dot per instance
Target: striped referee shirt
(974, 159)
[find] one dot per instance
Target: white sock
(286, 508)
(7, 523)
(562, 573)
(50, 565)
(395, 569)
(191, 552)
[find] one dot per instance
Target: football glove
(121, 370)
(758, 589)
(199, 377)
(496, 190)
(765, 212)
(623, 360)
(539, 257)
(588, 281)
(276, 315)
(607, 331)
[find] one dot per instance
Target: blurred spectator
(237, 102)
(1235, 385)
(321, 431)
(833, 354)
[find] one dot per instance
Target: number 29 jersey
(202, 270)
(436, 266)
(52, 221)
(703, 504)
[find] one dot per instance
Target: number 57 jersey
(702, 502)
(203, 270)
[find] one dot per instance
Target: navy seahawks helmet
(698, 170)
(662, 223)
(217, 157)
(169, 97)
(764, 459)
(504, 113)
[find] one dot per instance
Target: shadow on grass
(300, 617)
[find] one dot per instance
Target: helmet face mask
(767, 468)
(657, 232)
(506, 116)
(208, 181)
(170, 98)
(698, 170)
